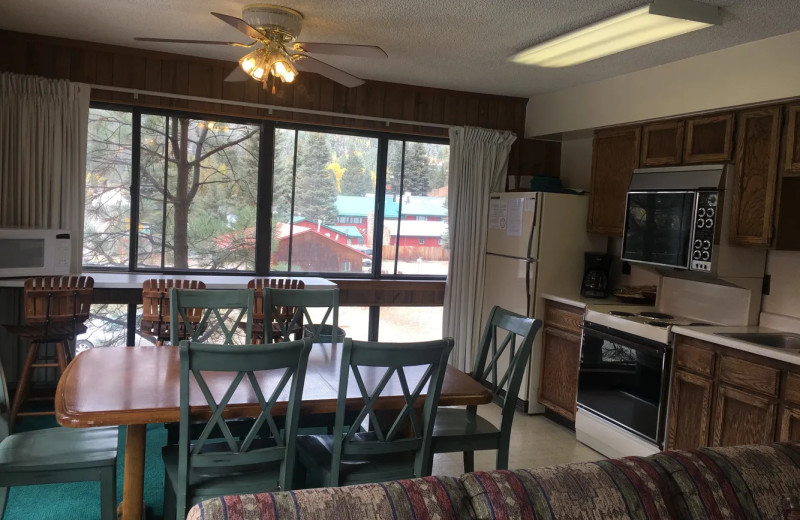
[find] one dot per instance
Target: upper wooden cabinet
(662, 143)
(708, 139)
(791, 147)
(615, 155)
(757, 144)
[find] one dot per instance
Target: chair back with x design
(220, 461)
(326, 301)
(416, 369)
(505, 349)
(212, 316)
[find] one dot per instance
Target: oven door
(625, 379)
(659, 227)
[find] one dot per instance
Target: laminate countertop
(718, 335)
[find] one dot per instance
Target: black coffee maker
(596, 269)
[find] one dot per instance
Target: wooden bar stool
(55, 309)
(155, 307)
(258, 285)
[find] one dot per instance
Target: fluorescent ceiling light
(658, 21)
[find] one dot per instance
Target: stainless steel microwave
(673, 216)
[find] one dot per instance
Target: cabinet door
(787, 212)
(689, 411)
(662, 143)
(558, 385)
(791, 149)
(614, 156)
(790, 424)
(756, 172)
(742, 417)
(708, 139)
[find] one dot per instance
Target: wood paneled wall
(126, 67)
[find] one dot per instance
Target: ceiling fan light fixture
(655, 22)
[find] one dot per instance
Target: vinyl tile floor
(535, 442)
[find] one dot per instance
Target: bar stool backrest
(62, 299)
(155, 306)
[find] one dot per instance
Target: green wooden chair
(462, 429)
(57, 455)
(396, 444)
(277, 300)
(211, 316)
(219, 462)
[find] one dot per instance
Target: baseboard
(559, 419)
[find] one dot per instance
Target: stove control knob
(701, 212)
(700, 223)
(706, 244)
(710, 212)
(706, 255)
(696, 254)
(698, 244)
(709, 222)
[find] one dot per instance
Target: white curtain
(478, 163)
(43, 127)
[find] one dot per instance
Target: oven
(624, 379)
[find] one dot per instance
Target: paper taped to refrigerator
(498, 214)
(514, 226)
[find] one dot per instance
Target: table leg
(133, 478)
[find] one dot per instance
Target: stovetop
(642, 321)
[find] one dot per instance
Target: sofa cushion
(740, 482)
(629, 488)
(423, 498)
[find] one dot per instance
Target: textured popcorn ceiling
(452, 44)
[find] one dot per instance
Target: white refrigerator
(535, 245)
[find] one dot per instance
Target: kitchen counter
(711, 335)
(577, 300)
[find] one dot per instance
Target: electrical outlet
(765, 284)
(626, 268)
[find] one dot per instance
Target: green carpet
(81, 500)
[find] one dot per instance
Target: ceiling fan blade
(172, 40)
(237, 74)
(309, 64)
(241, 25)
(341, 49)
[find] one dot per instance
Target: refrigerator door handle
(528, 260)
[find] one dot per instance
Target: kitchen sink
(781, 340)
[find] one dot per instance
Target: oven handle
(625, 342)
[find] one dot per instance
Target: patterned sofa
(743, 482)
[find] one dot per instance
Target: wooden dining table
(137, 386)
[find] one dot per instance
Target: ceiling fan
(274, 29)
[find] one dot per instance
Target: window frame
(265, 176)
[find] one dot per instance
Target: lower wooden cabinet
(689, 411)
(558, 385)
(722, 396)
(790, 424)
(743, 417)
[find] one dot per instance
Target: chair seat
(205, 483)
(54, 331)
(59, 448)
(456, 429)
(316, 450)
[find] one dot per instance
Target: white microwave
(34, 252)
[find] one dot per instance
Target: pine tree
(315, 185)
(355, 179)
(416, 174)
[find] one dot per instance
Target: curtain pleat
(478, 163)
(43, 130)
